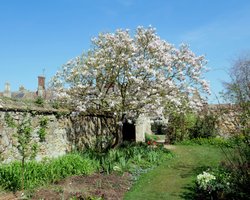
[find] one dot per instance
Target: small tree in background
(238, 88)
(132, 75)
(238, 92)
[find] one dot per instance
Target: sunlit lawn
(168, 181)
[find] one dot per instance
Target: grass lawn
(170, 179)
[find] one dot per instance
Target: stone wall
(63, 132)
(228, 116)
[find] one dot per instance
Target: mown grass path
(170, 179)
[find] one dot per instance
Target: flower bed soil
(111, 187)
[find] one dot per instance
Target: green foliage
(180, 126)
(158, 128)
(41, 173)
(229, 184)
(205, 127)
(129, 157)
(42, 131)
(216, 188)
(9, 120)
(23, 136)
(232, 176)
(39, 101)
(238, 164)
(185, 126)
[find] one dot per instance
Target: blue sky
(45, 34)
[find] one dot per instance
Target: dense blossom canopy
(133, 75)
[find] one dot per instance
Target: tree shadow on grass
(189, 192)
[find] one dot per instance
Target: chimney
(41, 86)
(41, 82)
(7, 92)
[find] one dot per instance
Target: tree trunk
(23, 169)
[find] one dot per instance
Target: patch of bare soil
(111, 187)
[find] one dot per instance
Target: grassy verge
(170, 179)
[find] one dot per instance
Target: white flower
(117, 168)
(205, 179)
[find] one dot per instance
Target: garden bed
(95, 186)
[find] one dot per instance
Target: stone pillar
(7, 92)
(142, 126)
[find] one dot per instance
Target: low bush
(213, 184)
(189, 125)
(179, 126)
(204, 127)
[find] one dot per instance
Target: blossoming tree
(125, 74)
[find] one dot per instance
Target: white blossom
(140, 74)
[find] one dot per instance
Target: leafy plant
(39, 101)
(180, 127)
(213, 184)
(129, 157)
(204, 127)
(9, 120)
(42, 131)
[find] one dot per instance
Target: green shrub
(43, 126)
(9, 120)
(226, 184)
(213, 184)
(40, 101)
(205, 127)
(180, 126)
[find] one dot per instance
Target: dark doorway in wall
(128, 132)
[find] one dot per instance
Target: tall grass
(40, 173)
